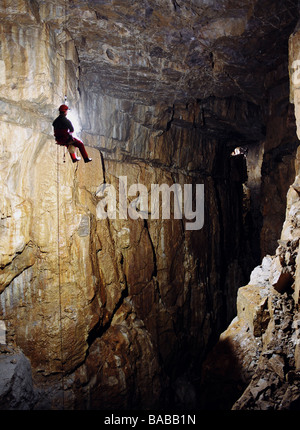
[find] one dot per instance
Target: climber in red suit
(63, 130)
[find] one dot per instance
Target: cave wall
(279, 152)
(114, 313)
(178, 283)
(115, 304)
(36, 61)
(255, 364)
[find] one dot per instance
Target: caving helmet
(63, 108)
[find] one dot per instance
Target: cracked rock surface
(120, 313)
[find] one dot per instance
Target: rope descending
(59, 280)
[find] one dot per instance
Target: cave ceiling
(154, 50)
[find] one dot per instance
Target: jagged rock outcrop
(119, 313)
(16, 385)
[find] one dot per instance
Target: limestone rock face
(119, 311)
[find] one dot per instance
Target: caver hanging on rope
(63, 130)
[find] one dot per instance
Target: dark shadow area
(222, 381)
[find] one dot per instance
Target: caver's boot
(74, 157)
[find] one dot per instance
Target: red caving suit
(62, 132)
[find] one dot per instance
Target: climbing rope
(59, 281)
(58, 231)
(65, 102)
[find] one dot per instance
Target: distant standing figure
(63, 130)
